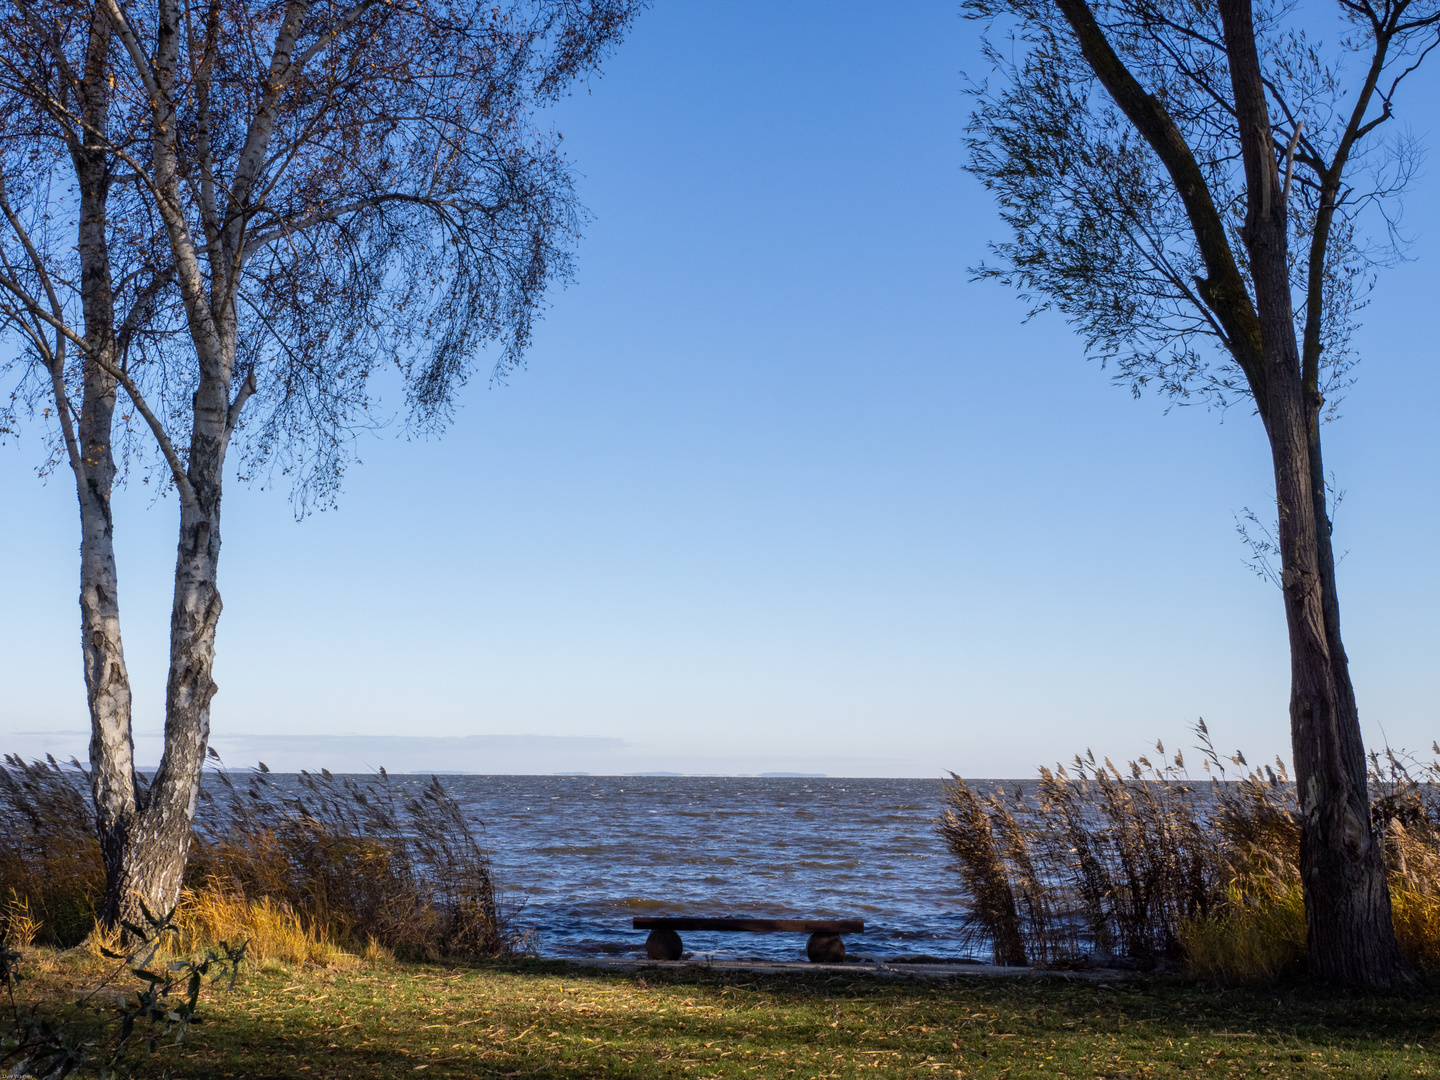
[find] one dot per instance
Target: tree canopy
(224, 220)
(344, 188)
(1103, 233)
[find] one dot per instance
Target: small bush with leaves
(97, 1032)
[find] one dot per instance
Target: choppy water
(588, 853)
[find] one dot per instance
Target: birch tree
(1188, 182)
(224, 220)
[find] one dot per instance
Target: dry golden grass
(274, 931)
(101, 943)
(376, 953)
(18, 925)
(1417, 924)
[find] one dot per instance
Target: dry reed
(357, 860)
(49, 855)
(1145, 866)
(308, 870)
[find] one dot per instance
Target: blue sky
(780, 488)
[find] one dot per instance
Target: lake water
(585, 854)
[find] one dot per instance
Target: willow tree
(224, 220)
(1187, 181)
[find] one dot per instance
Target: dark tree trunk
(1347, 899)
(1351, 935)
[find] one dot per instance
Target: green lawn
(540, 1019)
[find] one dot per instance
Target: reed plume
(358, 860)
(306, 868)
(50, 862)
(1145, 866)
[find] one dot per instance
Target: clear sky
(780, 488)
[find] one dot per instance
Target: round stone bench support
(666, 945)
(824, 946)
(825, 949)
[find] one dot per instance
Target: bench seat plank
(755, 926)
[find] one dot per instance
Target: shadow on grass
(551, 1019)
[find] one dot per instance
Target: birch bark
(153, 850)
(117, 800)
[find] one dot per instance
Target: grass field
(545, 1019)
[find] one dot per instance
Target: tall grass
(307, 870)
(1146, 865)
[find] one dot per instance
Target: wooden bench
(824, 946)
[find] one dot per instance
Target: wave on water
(581, 856)
(586, 854)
